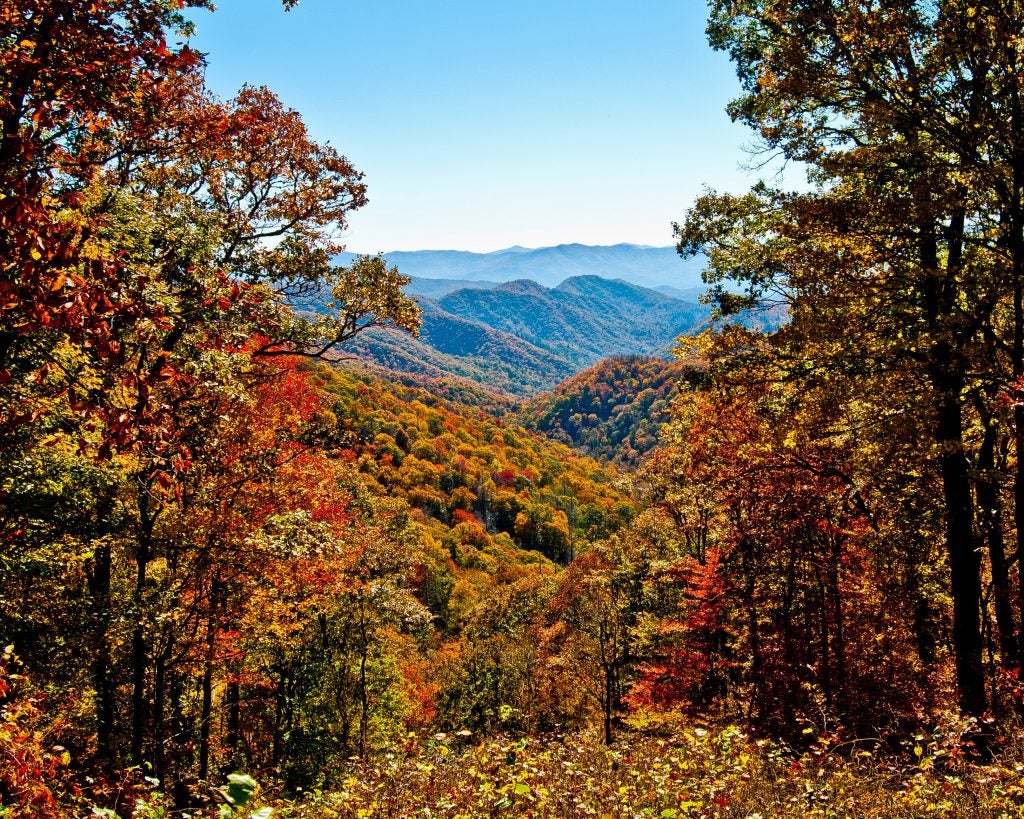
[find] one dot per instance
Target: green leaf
(239, 789)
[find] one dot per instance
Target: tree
(895, 109)
(591, 638)
(164, 252)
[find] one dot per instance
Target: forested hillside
(450, 345)
(522, 338)
(243, 576)
(453, 464)
(582, 319)
(614, 410)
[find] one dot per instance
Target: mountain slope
(436, 288)
(583, 320)
(614, 410)
(488, 492)
(521, 337)
(453, 346)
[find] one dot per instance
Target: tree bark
(139, 653)
(206, 709)
(99, 589)
(964, 559)
(946, 373)
(233, 697)
(992, 525)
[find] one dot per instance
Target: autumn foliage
(221, 554)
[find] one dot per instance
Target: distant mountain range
(521, 320)
(521, 337)
(584, 319)
(652, 267)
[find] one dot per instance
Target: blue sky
(485, 124)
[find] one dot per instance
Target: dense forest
(521, 337)
(616, 409)
(242, 578)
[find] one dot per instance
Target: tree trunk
(206, 709)
(180, 740)
(992, 525)
(964, 560)
(233, 696)
(280, 706)
(1015, 245)
(608, 693)
(99, 589)
(139, 652)
(159, 717)
(946, 372)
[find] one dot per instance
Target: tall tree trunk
(206, 709)
(233, 698)
(280, 705)
(608, 652)
(1017, 273)
(159, 716)
(1018, 439)
(99, 590)
(825, 676)
(180, 740)
(1015, 246)
(946, 372)
(964, 559)
(992, 525)
(753, 628)
(364, 692)
(608, 695)
(839, 636)
(139, 652)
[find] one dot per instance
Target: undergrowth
(682, 773)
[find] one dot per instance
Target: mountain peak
(523, 286)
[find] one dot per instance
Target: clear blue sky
(490, 123)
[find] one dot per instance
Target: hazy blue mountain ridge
(584, 319)
(521, 337)
(521, 320)
(639, 264)
(436, 288)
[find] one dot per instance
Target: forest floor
(676, 773)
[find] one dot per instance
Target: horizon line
(505, 249)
